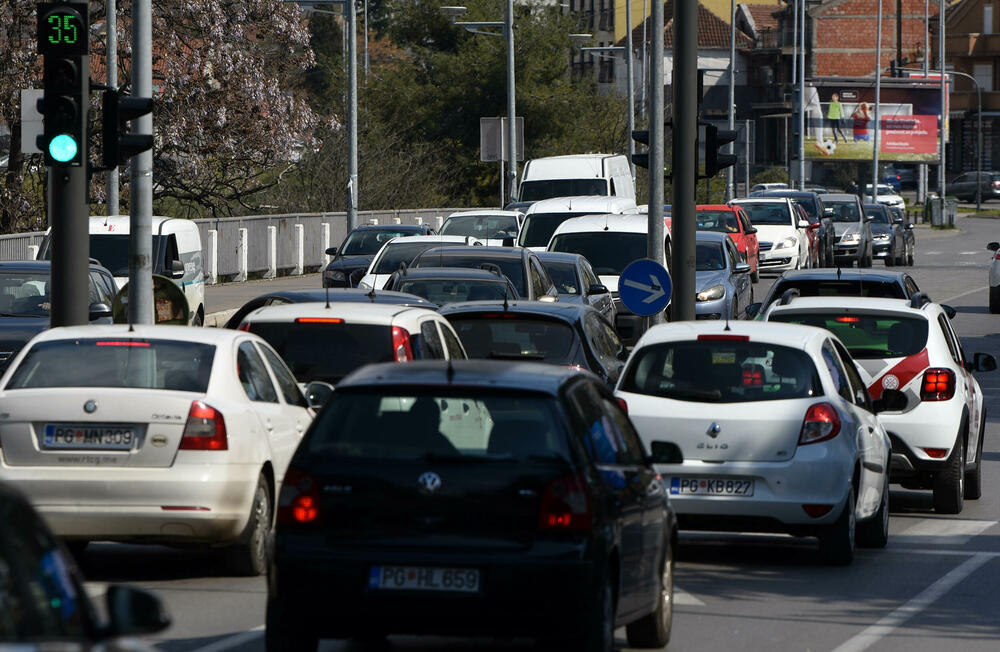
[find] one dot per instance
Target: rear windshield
(721, 371)
(512, 266)
(463, 426)
(445, 291)
(116, 362)
(549, 188)
(509, 336)
(563, 277)
(329, 351)
(609, 252)
(772, 214)
(401, 252)
(721, 221)
(868, 336)
(538, 228)
(709, 257)
(366, 242)
(484, 227)
(835, 288)
(846, 211)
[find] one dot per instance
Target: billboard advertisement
(840, 120)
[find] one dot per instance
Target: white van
(544, 216)
(610, 243)
(577, 174)
(176, 254)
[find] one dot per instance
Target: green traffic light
(62, 148)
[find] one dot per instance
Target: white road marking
(969, 253)
(95, 590)
(235, 640)
(942, 531)
(683, 597)
(930, 253)
(964, 294)
(927, 597)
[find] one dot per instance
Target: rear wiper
(496, 355)
(446, 458)
(704, 394)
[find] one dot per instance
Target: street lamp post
(507, 31)
(352, 100)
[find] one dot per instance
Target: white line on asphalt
(927, 597)
(683, 597)
(964, 294)
(970, 253)
(943, 531)
(930, 253)
(236, 640)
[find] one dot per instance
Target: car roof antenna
(327, 288)
(838, 272)
(506, 290)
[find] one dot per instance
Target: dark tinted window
(286, 382)
(512, 266)
(808, 205)
(455, 350)
(511, 336)
(445, 291)
(721, 221)
(430, 341)
(867, 336)
(858, 389)
(326, 351)
(549, 188)
(603, 436)
(842, 211)
(888, 289)
(773, 214)
(836, 369)
(709, 256)
(721, 371)
(123, 362)
(538, 228)
(27, 293)
(881, 216)
(253, 375)
(609, 252)
(401, 252)
(564, 277)
(412, 425)
(484, 227)
(369, 241)
(112, 251)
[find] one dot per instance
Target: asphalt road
(934, 587)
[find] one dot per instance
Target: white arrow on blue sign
(644, 287)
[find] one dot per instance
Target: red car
(733, 221)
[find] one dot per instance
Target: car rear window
(445, 291)
(549, 188)
(721, 221)
(882, 289)
(609, 252)
(508, 336)
(116, 362)
(538, 228)
(511, 264)
(401, 252)
(484, 227)
(867, 336)
(466, 425)
(326, 351)
(369, 241)
(721, 371)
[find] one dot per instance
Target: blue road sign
(644, 287)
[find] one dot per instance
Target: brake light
(205, 429)
(724, 338)
(997, 257)
(938, 385)
(821, 423)
(299, 499)
(122, 343)
(319, 320)
(848, 320)
(401, 349)
(565, 505)
(245, 326)
(623, 405)
(753, 376)
(815, 511)
(936, 453)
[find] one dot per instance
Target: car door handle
(268, 425)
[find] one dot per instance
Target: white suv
(909, 346)
(403, 250)
(784, 243)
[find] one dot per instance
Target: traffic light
(715, 140)
(119, 144)
(62, 40)
(641, 136)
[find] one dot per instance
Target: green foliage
(770, 175)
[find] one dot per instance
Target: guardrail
(261, 246)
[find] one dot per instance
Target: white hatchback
(403, 250)
(782, 236)
(152, 434)
(776, 428)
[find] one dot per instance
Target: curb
(219, 319)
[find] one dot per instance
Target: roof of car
(829, 273)
(789, 193)
(848, 304)
(486, 212)
(570, 312)
(479, 375)
(558, 257)
(710, 236)
(837, 196)
(485, 253)
(757, 200)
(581, 204)
(351, 294)
(140, 331)
(427, 238)
(373, 313)
(792, 335)
(715, 207)
(391, 227)
(37, 265)
(462, 273)
(634, 223)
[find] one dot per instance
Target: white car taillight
(205, 429)
(821, 423)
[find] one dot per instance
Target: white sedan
(886, 194)
(152, 434)
(777, 431)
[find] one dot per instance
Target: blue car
(722, 279)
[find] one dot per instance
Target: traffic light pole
(68, 213)
(140, 259)
(685, 151)
(111, 25)
(654, 243)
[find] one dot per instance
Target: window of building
(983, 72)
(987, 19)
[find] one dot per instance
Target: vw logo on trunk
(90, 406)
(714, 430)
(429, 483)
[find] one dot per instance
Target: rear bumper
(207, 503)
(929, 425)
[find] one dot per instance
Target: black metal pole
(68, 217)
(685, 153)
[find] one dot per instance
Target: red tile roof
(713, 32)
(765, 17)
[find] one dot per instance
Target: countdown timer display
(62, 28)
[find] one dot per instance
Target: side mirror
(176, 269)
(741, 268)
(984, 362)
(507, 242)
(803, 224)
(814, 225)
(753, 310)
(331, 251)
(752, 230)
(993, 246)
(99, 311)
(897, 220)
(318, 393)
(869, 218)
(909, 226)
(892, 400)
(134, 611)
(664, 452)
(948, 310)
(596, 288)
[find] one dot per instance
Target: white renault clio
(777, 431)
(152, 434)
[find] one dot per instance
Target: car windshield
(484, 227)
(538, 228)
(563, 277)
(549, 188)
(609, 252)
(709, 256)
(438, 426)
(878, 215)
(721, 371)
(721, 221)
(510, 264)
(842, 211)
(882, 289)
(445, 291)
(368, 241)
(867, 336)
(513, 336)
(401, 251)
(25, 294)
(326, 351)
(116, 362)
(770, 214)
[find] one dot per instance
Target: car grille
(765, 246)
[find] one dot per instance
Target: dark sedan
(964, 186)
(812, 204)
(519, 264)
(557, 333)
(473, 498)
(355, 253)
(839, 283)
(576, 281)
(309, 296)
(888, 237)
(445, 285)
